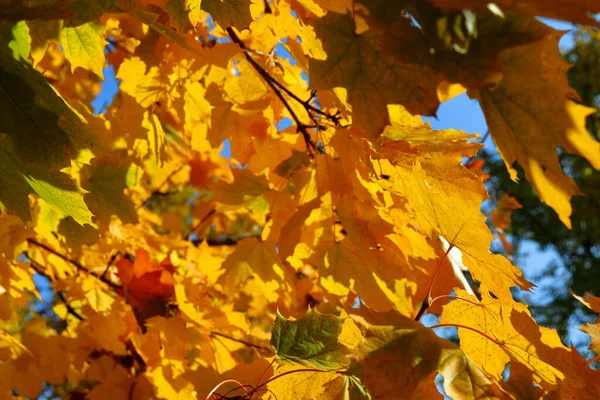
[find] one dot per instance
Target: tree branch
(112, 259)
(157, 190)
(427, 301)
(70, 309)
(40, 270)
(280, 89)
(75, 263)
(200, 223)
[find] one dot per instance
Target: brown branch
(38, 268)
(157, 190)
(279, 89)
(199, 223)
(112, 259)
(70, 309)
(75, 263)
(427, 301)
(223, 240)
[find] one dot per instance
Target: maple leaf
(347, 269)
(318, 340)
(253, 258)
(593, 303)
(494, 332)
(377, 222)
(536, 71)
(105, 180)
(148, 287)
(182, 13)
(437, 197)
(33, 165)
(391, 340)
(83, 45)
(302, 384)
(229, 13)
(373, 78)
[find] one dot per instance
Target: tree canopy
(299, 263)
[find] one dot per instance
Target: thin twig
(75, 263)
(223, 240)
(112, 259)
(155, 191)
(591, 360)
(427, 302)
(279, 89)
(38, 268)
(488, 337)
(209, 395)
(70, 309)
(199, 223)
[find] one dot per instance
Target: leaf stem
(427, 302)
(257, 346)
(450, 296)
(297, 370)
(199, 223)
(221, 384)
(491, 339)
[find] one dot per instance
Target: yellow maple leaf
(83, 44)
(498, 331)
(392, 340)
(531, 112)
(593, 303)
(305, 385)
(253, 258)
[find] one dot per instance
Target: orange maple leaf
(148, 287)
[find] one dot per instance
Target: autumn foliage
(300, 265)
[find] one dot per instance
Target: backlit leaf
(372, 77)
(318, 340)
(505, 331)
(532, 112)
(402, 343)
(228, 13)
(83, 44)
(106, 180)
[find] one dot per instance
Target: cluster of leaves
(174, 265)
(576, 251)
